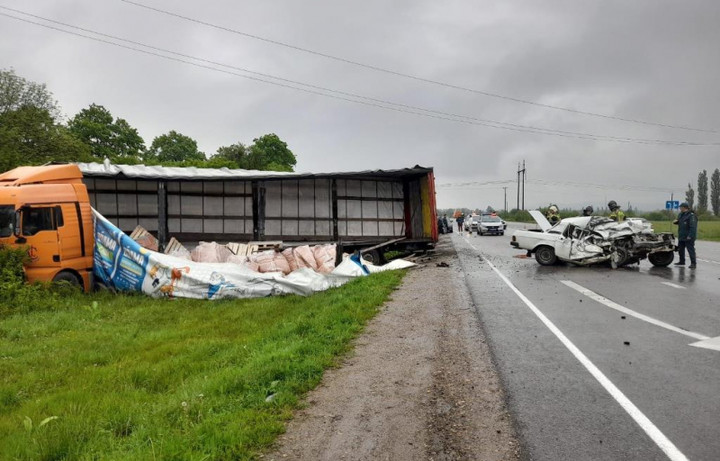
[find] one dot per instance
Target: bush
(17, 296)
(516, 216)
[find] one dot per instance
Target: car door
(564, 244)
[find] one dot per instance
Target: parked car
(595, 239)
(490, 224)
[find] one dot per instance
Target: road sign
(672, 205)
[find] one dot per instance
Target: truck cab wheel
(545, 256)
(69, 277)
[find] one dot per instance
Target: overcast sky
(653, 61)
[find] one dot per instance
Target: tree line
(702, 194)
(32, 132)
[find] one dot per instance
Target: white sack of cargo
(122, 264)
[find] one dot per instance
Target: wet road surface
(597, 362)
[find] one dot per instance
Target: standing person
(460, 221)
(446, 225)
(687, 233)
(441, 226)
(616, 214)
(553, 215)
(588, 211)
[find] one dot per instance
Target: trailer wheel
(69, 277)
(545, 256)
(661, 258)
(373, 257)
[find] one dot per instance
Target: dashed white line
(612, 304)
(650, 429)
(674, 285)
(708, 261)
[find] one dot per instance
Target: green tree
(17, 93)
(107, 137)
(270, 153)
(233, 156)
(29, 136)
(690, 196)
(715, 192)
(702, 192)
(174, 147)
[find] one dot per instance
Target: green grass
(128, 377)
(707, 230)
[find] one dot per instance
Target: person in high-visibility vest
(616, 214)
(553, 215)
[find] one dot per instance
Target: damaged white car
(595, 239)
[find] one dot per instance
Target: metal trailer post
(334, 201)
(162, 215)
(258, 209)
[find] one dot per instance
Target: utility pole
(523, 172)
(505, 189)
(517, 207)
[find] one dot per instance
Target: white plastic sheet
(122, 264)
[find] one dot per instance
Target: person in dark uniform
(687, 233)
(460, 221)
(588, 211)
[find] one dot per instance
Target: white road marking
(712, 343)
(613, 305)
(674, 285)
(650, 429)
(708, 261)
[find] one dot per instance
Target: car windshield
(491, 219)
(7, 220)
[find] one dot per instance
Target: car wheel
(69, 277)
(502, 233)
(623, 257)
(662, 258)
(545, 256)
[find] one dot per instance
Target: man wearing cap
(687, 232)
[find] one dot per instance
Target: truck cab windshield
(7, 220)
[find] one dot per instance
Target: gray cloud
(648, 60)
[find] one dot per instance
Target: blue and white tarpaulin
(122, 264)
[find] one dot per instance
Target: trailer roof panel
(107, 169)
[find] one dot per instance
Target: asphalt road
(597, 362)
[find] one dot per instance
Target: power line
(368, 101)
(415, 77)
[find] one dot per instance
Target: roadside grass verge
(129, 377)
(707, 230)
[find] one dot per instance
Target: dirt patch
(420, 385)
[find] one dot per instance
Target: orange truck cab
(47, 210)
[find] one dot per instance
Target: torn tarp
(122, 264)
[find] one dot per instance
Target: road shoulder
(419, 385)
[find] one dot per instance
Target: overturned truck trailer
(371, 211)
